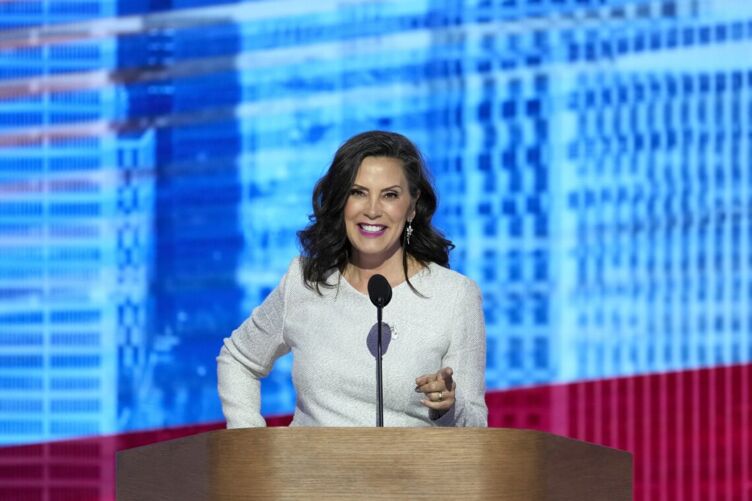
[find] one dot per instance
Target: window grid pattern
(591, 162)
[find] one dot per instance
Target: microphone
(380, 293)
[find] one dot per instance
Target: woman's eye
(356, 192)
(391, 194)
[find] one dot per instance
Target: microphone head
(379, 291)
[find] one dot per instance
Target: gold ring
(441, 396)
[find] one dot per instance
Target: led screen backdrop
(592, 157)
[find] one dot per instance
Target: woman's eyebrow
(396, 186)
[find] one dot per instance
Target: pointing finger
(426, 378)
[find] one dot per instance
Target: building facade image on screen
(592, 160)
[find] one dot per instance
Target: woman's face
(377, 208)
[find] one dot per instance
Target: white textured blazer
(332, 339)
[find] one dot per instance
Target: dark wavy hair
(324, 241)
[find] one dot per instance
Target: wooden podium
(374, 463)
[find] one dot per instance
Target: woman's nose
(374, 207)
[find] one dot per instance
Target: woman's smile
(372, 230)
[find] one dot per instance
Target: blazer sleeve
(467, 358)
(248, 355)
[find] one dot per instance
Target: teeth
(373, 228)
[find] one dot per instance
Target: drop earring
(408, 232)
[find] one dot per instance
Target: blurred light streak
(58, 33)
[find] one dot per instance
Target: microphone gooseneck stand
(380, 293)
(379, 374)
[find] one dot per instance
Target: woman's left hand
(438, 389)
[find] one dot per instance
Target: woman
(372, 214)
